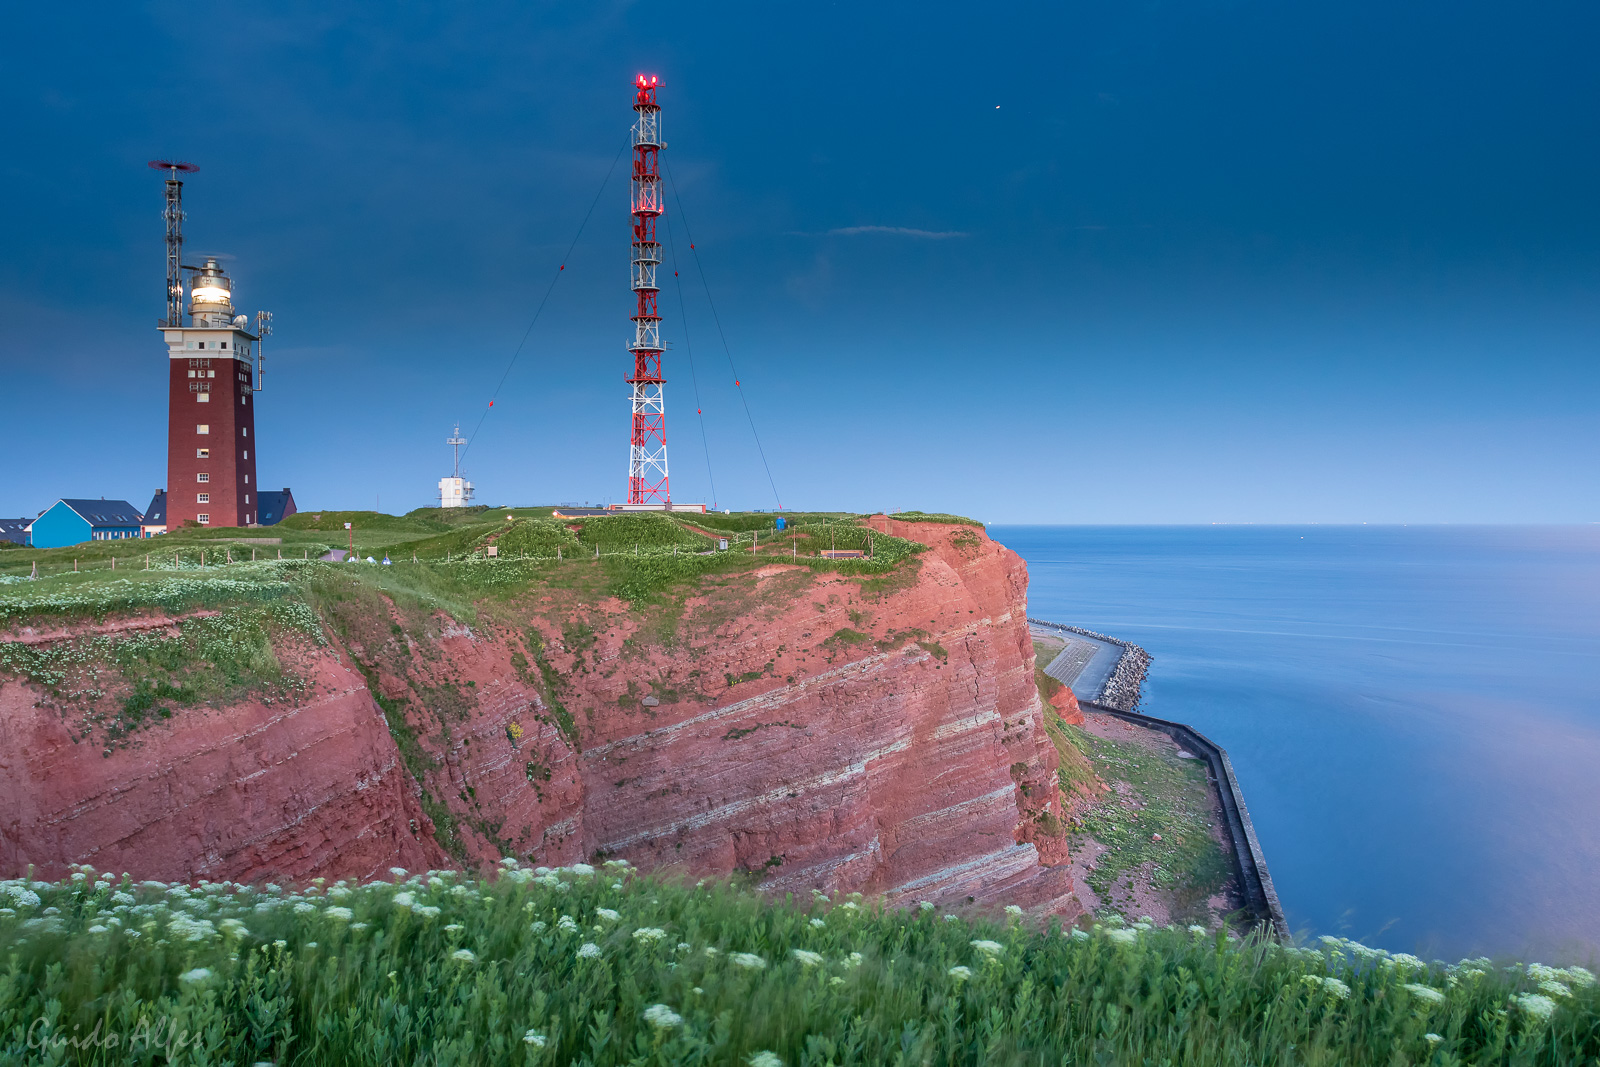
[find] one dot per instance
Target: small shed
(72, 522)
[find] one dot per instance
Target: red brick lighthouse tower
(214, 372)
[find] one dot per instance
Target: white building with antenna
(455, 491)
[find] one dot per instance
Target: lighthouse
(214, 372)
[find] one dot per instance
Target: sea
(1413, 712)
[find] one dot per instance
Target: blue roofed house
(72, 522)
(273, 507)
(155, 516)
(14, 530)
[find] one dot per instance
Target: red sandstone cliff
(883, 736)
(251, 791)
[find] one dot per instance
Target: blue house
(274, 507)
(155, 516)
(14, 530)
(72, 522)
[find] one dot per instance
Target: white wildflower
(464, 955)
(959, 973)
(199, 974)
(989, 948)
(616, 885)
(1432, 1039)
(817, 924)
(1198, 930)
(404, 900)
(807, 959)
(398, 872)
(534, 1038)
(121, 898)
(454, 928)
(1555, 988)
(1424, 993)
(747, 960)
(952, 918)
(852, 960)
(567, 924)
(303, 908)
(1125, 937)
(1538, 1007)
(1579, 976)
(1078, 935)
(588, 951)
(97, 929)
(538, 927)
(765, 1059)
(509, 863)
(1014, 911)
(581, 869)
(607, 914)
(925, 905)
(342, 915)
(358, 927)
(649, 935)
(711, 950)
(1331, 986)
(427, 911)
(850, 905)
(662, 1017)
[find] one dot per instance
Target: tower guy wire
(688, 347)
(762, 452)
(548, 290)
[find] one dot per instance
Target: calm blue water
(1413, 712)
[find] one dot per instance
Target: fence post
(74, 566)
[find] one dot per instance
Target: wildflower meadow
(599, 965)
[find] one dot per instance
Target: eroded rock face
(883, 736)
(248, 792)
(821, 731)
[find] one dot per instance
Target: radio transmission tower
(647, 451)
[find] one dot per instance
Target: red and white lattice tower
(647, 450)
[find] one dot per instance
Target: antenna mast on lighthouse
(647, 450)
(174, 216)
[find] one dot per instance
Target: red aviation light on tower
(647, 447)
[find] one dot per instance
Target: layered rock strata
(882, 735)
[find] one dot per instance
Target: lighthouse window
(204, 398)
(247, 453)
(204, 427)
(224, 344)
(211, 374)
(245, 430)
(203, 519)
(191, 374)
(202, 498)
(202, 477)
(202, 453)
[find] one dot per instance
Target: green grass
(601, 967)
(935, 516)
(1174, 802)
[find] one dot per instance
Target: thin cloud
(899, 231)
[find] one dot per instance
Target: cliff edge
(877, 733)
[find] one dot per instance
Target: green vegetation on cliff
(599, 966)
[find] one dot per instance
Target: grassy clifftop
(599, 966)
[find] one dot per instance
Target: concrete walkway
(1084, 665)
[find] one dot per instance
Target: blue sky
(1195, 262)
